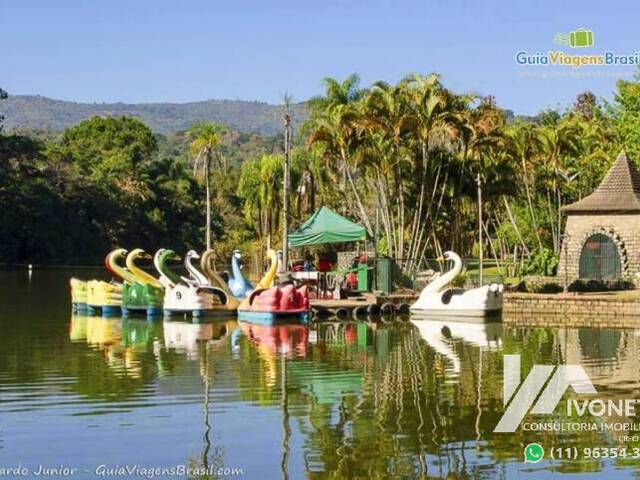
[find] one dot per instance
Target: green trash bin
(385, 275)
(363, 277)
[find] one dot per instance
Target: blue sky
(146, 51)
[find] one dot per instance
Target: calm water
(338, 400)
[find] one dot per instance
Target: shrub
(542, 262)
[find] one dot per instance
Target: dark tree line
(101, 184)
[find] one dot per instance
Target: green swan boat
(141, 293)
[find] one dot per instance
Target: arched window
(599, 259)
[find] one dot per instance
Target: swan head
(450, 255)
(112, 256)
(167, 253)
(237, 254)
(137, 253)
(158, 254)
(117, 253)
(192, 254)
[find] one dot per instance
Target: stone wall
(623, 229)
(542, 284)
(597, 311)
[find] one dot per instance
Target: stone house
(602, 233)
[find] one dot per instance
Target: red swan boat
(268, 303)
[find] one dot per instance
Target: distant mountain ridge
(42, 113)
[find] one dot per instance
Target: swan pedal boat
(216, 281)
(92, 295)
(78, 294)
(106, 297)
(193, 296)
(269, 304)
(141, 292)
(438, 298)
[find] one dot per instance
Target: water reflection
(186, 336)
(394, 398)
(443, 334)
(273, 343)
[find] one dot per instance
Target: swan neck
(139, 274)
(215, 279)
(195, 273)
(160, 262)
(119, 270)
(235, 268)
(268, 278)
(448, 277)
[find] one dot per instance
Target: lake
(367, 399)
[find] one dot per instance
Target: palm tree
(336, 133)
(558, 140)
(337, 93)
(524, 143)
(382, 154)
(204, 148)
(259, 187)
(333, 127)
(433, 125)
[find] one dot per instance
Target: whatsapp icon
(533, 453)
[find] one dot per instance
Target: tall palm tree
(259, 187)
(433, 122)
(204, 148)
(524, 144)
(336, 133)
(337, 93)
(382, 154)
(558, 141)
(333, 127)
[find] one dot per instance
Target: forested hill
(42, 113)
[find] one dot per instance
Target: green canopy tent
(326, 226)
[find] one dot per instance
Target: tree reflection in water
(354, 399)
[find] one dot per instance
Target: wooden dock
(362, 305)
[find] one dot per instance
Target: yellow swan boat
(107, 296)
(78, 294)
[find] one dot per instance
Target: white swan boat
(186, 295)
(441, 299)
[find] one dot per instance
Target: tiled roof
(619, 191)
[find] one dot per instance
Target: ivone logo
(520, 397)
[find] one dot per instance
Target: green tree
(204, 148)
(627, 116)
(260, 189)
